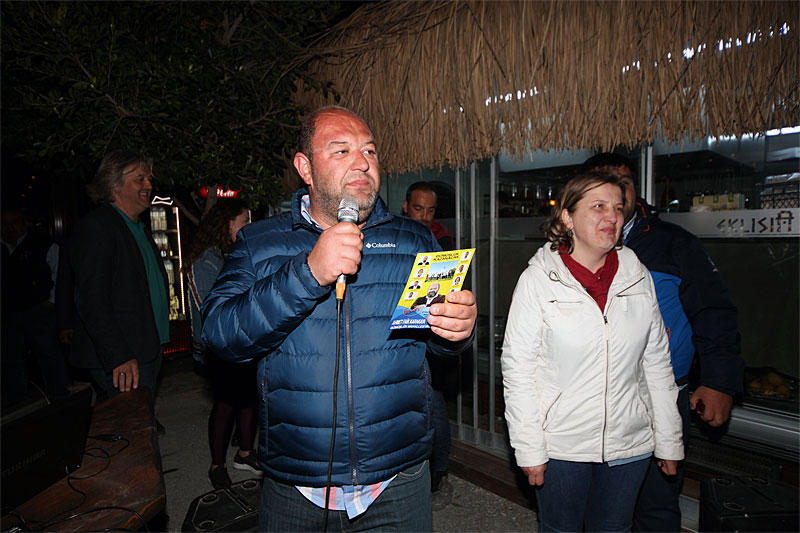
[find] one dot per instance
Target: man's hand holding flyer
(434, 274)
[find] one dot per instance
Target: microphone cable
(335, 399)
(347, 212)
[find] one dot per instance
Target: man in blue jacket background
(274, 301)
(700, 319)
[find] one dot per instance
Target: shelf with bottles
(525, 198)
(165, 225)
(709, 190)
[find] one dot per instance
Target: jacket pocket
(644, 404)
(412, 472)
(548, 399)
(556, 308)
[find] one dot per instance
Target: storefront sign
(749, 223)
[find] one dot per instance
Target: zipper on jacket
(350, 411)
(605, 392)
(604, 313)
(555, 277)
(263, 418)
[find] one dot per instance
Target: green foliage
(203, 87)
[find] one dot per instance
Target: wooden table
(133, 479)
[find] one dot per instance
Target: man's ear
(405, 207)
(303, 166)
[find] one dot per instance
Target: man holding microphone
(274, 301)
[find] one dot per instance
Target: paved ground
(183, 404)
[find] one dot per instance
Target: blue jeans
(657, 508)
(405, 505)
(593, 496)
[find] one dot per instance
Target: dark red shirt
(597, 283)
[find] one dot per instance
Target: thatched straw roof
(436, 80)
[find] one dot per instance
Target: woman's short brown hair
(555, 231)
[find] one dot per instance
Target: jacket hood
(630, 270)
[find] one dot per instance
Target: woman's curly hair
(214, 230)
(555, 231)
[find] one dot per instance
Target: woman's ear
(566, 218)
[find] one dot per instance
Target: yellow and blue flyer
(433, 276)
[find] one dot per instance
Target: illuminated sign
(221, 193)
(158, 200)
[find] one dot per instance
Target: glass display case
(166, 227)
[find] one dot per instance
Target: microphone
(348, 212)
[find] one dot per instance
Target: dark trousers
(443, 370)
(235, 400)
(441, 433)
(657, 508)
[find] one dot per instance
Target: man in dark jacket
(700, 319)
(28, 316)
(274, 301)
(433, 297)
(121, 291)
(420, 204)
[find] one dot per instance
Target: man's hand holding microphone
(337, 253)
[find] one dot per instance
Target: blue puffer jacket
(266, 304)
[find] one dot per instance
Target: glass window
(741, 197)
(720, 174)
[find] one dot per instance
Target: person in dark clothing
(275, 301)
(433, 297)
(28, 262)
(701, 320)
(420, 205)
(121, 285)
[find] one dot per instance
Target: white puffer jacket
(584, 385)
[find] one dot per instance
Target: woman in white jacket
(589, 390)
